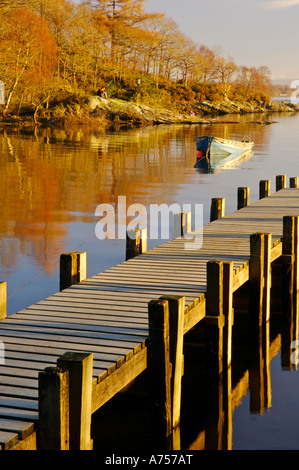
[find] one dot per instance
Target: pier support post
(165, 362)
(159, 368)
(181, 224)
(228, 313)
(294, 182)
(260, 279)
(3, 300)
(214, 317)
(243, 197)
(176, 306)
(264, 189)
(217, 208)
(289, 259)
(72, 268)
(80, 367)
(136, 243)
(259, 303)
(53, 423)
(280, 182)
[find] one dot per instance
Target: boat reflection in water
(214, 152)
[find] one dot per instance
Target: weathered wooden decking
(107, 314)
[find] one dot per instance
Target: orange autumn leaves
(28, 53)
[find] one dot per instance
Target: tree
(224, 70)
(254, 81)
(119, 16)
(27, 50)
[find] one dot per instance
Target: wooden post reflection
(219, 335)
(289, 334)
(228, 314)
(260, 282)
(214, 328)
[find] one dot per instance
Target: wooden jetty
(69, 354)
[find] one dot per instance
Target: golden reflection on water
(51, 177)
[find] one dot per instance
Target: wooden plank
(18, 392)
(102, 392)
(13, 413)
(22, 428)
(29, 443)
(194, 315)
(7, 440)
(73, 343)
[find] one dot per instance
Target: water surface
(52, 181)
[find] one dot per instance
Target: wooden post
(280, 182)
(256, 279)
(159, 368)
(290, 228)
(3, 300)
(294, 182)
(228, 312)
(53, 423)
(80, 367)
(217, 209)
(176, 333)
(181, 224)
(264, 189)
(136, 242)
(243, 197)
(214, 317)
(72, 268)
(296, 254)
(267, 276)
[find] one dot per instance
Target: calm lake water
(53, 180)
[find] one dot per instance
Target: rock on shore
(118, 111)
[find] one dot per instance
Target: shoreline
(107, 113)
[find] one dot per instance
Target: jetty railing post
(53, 423)
(256, 279)
(136, 242)
(294, 182)
(214, 317)
(259, 315)
(72, 268)
(243, 197)
(228, 313)
(181, 224)
(280, 182)
(159, 368)
(176, 305)
(267, 277)
(3, 300)
(217, 208)
(296, 254)
(264, 189)
(289, 260)
(80, 367)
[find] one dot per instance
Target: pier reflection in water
(209, 406)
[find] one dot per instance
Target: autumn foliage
(54, 53)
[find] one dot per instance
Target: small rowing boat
(215, 152)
